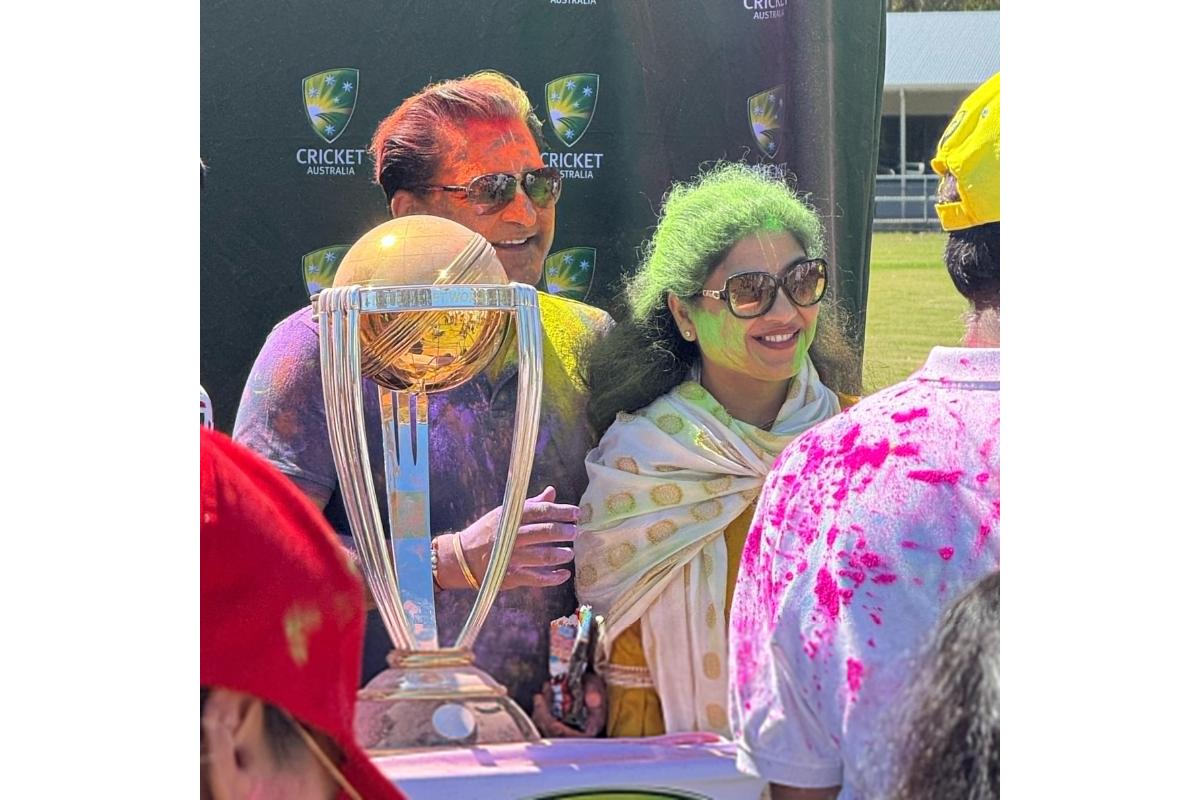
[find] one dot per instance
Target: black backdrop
(794, 87)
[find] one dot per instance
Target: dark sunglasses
(491, 192)
(751, 294)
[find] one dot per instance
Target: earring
(688, 335)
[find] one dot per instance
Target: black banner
(634, 95)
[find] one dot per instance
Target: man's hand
(595, 697)
(534, 562)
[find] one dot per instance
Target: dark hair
(407, 144)
(949, 742)
(700, 223)
(972, 255)
(280, 732)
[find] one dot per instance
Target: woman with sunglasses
(717, 368)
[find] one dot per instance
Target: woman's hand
(534, 561)
(595, 697)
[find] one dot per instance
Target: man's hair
(407, 146)
(973, 256)
(950, 738)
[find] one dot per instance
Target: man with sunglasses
(467, 150)
(873, 522)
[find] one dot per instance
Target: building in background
(933, 60)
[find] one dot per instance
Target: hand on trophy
(534, 562)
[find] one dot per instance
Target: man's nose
(520, 210)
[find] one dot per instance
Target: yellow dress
(635, 710)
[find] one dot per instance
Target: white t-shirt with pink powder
(868, 527)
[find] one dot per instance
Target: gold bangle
(463, 565)
(433, 562)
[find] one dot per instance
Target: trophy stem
(405, 421)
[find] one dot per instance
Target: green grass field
(911, 306)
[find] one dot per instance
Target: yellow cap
(970, 151)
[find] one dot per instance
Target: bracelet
(433, 562)
(463, 565)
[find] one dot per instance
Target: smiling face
(521, 232)
(771, 348)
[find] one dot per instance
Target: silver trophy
(419, 305)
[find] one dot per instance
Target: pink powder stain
(854, 672)
(985, 530)
(861, 544)
(909, 544)
(856, 527)
(876, 618)
(801, 566)
(946, 553)
(907, 449)
(858, 577)
(850, 437)
(964, 361)
(870, 642)
(884, 579)
(909, 416)
(846, 594)
(789, 576)
(827, 593)
(936, 476)
(871, 560)
(831, 536)
(982, 477)
(868, 456)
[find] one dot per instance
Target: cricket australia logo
(318, 267)
(766, 120)
(570, 272)
(571, 101)
(329, 99)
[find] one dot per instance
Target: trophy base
(436, 699)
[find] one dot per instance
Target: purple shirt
(869, 526)
(282, 417)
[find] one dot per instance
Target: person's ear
(683, 318)
(404, 203)
(232, 741)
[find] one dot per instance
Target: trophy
(419, 305)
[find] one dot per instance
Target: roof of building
(941, 49)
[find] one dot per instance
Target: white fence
(906, 202)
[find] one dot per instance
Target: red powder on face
(884, 579)
(946, 553)
(854, 671)
(827, 593)
(936, 476)
(908, 416)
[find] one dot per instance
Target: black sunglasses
(751, 294)
(491, 192)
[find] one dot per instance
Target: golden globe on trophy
(419, 305)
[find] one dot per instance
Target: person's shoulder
(589, 317)
(299, 323)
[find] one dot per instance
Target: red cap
(281, 606)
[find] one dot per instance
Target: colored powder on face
(827, 593)
(908, 416)
(909, 544)
(936, 476)
(884, 579)
(854, 671)
(946, 553)
(720, 339)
